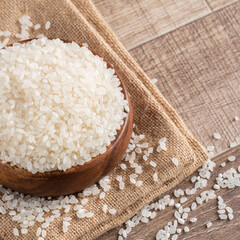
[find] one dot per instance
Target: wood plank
(217, 4)
(136, 22)
(221, 229)
(198, 67)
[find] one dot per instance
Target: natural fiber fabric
(154, 117)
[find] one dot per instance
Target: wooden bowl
(75, 179)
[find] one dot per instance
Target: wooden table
(193, 48)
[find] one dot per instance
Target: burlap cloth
(78, 20)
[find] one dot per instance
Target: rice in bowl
(60, 105)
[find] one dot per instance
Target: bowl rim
(74, 169)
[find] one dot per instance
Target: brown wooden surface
(136, 22)
(217, 4)
(198, 67)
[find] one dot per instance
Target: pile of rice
(60, 105)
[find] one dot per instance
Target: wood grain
(221, 229)
(198, 67)
(217, 4)
(136, 22)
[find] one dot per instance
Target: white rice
(153, 164)
(183, 200)
(179, 230)
(104, 208)
(15, 232)
(139, 183)
(217, 136)
(39, 231)
(154, 80)
(112, 211)
(236, 118)
(223, 164)
(231, 158)
(230, 216)
(24, 231)
(102, 195)
(44, 233)
(121, 185)
(210, 148)
(52, 116)
(193, 206)
(47, 25)
(193, 220)
(232, 144)
(209, 224)
(175, 161)
(155, 177)
(123, 166)
(181, 221)
(84, 201)
(40, 35)
(37, 26)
